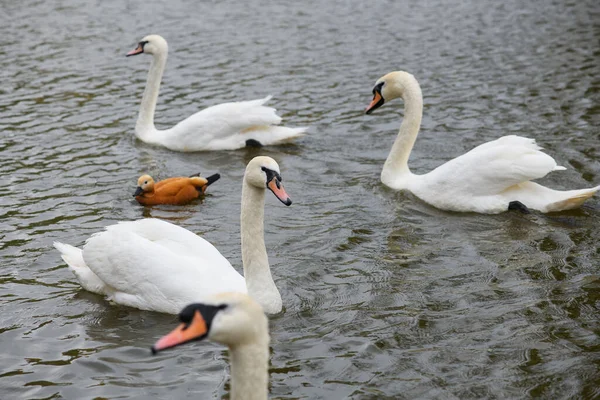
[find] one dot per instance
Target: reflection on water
(385, 297)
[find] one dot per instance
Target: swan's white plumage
(492, 168)
(154, 265)
(224, 126)
(489, 177)
(74, 259)
(486, 179)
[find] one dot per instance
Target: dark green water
(385, 296)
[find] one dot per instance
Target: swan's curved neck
(254, 253)
(249, 371)
(395, 170)
(145, 121)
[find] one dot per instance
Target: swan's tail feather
(574, 201)
(86, 277)
(71, 255)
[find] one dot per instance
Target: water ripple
(385, 297)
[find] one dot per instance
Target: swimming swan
(491, 178)
(154, 265)
(238, 322)
(226, 126)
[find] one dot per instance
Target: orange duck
(179, 190)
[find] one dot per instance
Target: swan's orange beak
(138, 50)
(375, 103)
(184, 333)
(276, 187)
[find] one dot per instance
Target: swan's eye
(143, 43)
(206, 311)
(187, 314)
(378, 88)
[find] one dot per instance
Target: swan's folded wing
(161, 271)
(492, 169)
(172, 237)
(227, 119)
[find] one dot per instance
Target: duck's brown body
(179, 190)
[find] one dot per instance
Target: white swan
(154, 265)
(491, 178)
(226, 126)
(238, 322)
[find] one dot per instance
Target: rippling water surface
(385, 296)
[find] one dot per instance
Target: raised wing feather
(163, 265)
(172, 237)
(493, 167)
(223, 120)
(509, 140)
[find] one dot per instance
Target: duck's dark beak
(138, 192)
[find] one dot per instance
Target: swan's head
(145, 184)
(229, 318)
(263, 172)
(151, 44)
(389, 87)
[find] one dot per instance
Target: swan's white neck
(254, 253)
(249, 371)
(144, 128)
(396, 173)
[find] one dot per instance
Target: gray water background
(385, 297)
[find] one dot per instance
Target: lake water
(385, 297)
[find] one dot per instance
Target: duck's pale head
(145, 184)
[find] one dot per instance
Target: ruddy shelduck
(179, 190)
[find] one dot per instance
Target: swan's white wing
(221, 121)
(492, 167)
(509, 140)
(154, 265)
(74, 259)
(172, 237)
